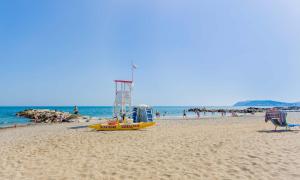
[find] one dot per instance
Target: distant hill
(266, 103)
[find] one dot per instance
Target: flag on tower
(134, 66)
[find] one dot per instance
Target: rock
(251, 110)
(47, 116)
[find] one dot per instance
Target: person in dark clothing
(123, 117)
(198, 114)
(76, 111)
(184, 114)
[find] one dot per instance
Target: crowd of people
(198, 114)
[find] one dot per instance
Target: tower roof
(123, 81)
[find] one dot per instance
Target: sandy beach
(212, 148)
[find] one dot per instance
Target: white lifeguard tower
(123, 100)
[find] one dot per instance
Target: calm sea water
(8, 114)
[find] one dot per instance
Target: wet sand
(212, 148)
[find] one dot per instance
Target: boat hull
(121, 127)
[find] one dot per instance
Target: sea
(8, 113)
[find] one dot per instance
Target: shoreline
(17, 125)
(8, 118)
(171, 117)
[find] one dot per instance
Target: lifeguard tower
(123, 100)
(122, 110)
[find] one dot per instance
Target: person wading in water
(76, 111)
(184, 114)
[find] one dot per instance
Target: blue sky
(193, 52)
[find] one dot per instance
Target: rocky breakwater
(251, 110)
(48, 116)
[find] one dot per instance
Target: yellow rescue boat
(121, 126)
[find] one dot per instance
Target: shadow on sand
(77, 127)
(280, 131)
(107, 132)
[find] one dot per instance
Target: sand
(212, 148)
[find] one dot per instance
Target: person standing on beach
(76, 111)
(184, 114)
(198, 114)
(222, 113)
(123, 117)
(157, 114)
